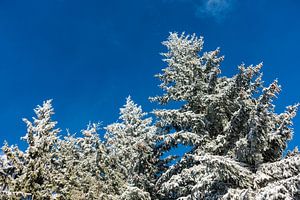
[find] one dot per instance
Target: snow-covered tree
(132, 144)
(54, 168)
(84, 168)
(238, 140)
(29, 174)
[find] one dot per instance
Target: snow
(237, 141)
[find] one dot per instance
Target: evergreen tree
(238, 140)
(29, 174)
(132, 143)
(84, 171)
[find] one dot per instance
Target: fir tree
(29, 174)
(132, 144)
(84, 171)
(238, 140)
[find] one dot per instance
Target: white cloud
(217, 9)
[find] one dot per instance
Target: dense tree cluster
(237, 142)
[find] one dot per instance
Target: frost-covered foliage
(83, 168)
(124, 166)
(51, 168)
(237, 142)
(29, 174)
(132, 143)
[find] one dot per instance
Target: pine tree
(29, 174)
(54, 168)
(238, 140)
(84, 171)
(132, 143)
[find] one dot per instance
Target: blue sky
(88, 56)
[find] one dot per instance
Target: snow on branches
(237, 141)
(234, 120)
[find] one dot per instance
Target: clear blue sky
(88, 56)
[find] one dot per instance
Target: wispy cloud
(217, 9)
